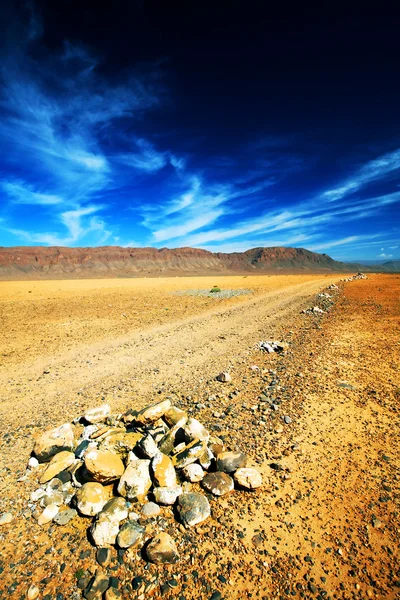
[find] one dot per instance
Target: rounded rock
(249, 478)
(193, 473)
(53, 441)
(104, 467)
(33, 593)
(115, 510)
(167, 495)
(130, 534)
(230, 461)
(150, 509)
(98, 414)
(162, 549)
(91, 498)
(193, 508)
(218, 483)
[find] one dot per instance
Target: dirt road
(326, 526)
(163, 356)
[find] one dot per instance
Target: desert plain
(323, 525)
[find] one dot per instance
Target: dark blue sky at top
(219, 125)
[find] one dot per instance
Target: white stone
(48, 514)
(194, 430)
(166, 495)
(136, 481)
(193, 472)
(224, 377)
(104, 532)
(98, 414)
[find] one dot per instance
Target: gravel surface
(320, 421)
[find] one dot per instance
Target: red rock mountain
(55, 262)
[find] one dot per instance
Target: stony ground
(325, 524)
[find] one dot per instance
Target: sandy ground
(327, 526)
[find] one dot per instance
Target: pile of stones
(271, 347)
(355, 277)
(325, 302)
(315, 310)
(119, 470)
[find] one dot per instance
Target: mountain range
(55, 262)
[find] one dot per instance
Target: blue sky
(176, 149)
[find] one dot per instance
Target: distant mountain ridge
(55, 262)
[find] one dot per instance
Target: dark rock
(218, 483)
(193, 508)
(231, 461)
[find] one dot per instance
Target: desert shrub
(215, 289)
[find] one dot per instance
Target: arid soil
(325, 525)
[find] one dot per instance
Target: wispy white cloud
(199, 206)
(77, 226)
(326, 245)
(242, 246)
(22, 194)
(57, 120)
(147, 158)
(373, 170)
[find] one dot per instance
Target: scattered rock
(162, 549)
(151, 509)
(103, 556)
(218, 483)
(6, 518)
(130, 534)
(65, 516)
(113, 594)
(277, 467)
(97, 586)
(32, 593)
(33, 462)
(271, 347)
(249, 478)
(224, 377)
(48, 514)
(104, 531)
(193, 508)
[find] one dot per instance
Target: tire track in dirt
(169, 353)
